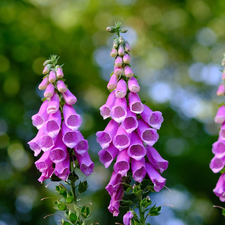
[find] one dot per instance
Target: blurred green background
(177, 47)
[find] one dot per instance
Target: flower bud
(52, 76)
(126, 59)
(119, 61)
(47, 69)
(61, 86)
(115, 43)
(121, 50)
(43, 84)
(59, 72)
(121, 40)
(128, 71)
(118, 70)
(111, 29)
(46, 62)
(49, 91)
(127, 47)
(123, 31)
(221, 90)
(113, 53)
(223, 75)
(223, 61)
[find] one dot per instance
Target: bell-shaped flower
(135, 103)
(138, 169)
(122, 164)
(220, 116)
(219, 148)
(119, 110)
(35, 143)
(69, 98)
(114, 183)
(53, 105)
(62, 169)
(219, 190)
(133, 85)
(217, 164)
(127, 218)
(44, 162)
(121, 89)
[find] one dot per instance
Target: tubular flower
(130, 134)
(58, 136)
(217, 163)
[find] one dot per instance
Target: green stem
(141, 210)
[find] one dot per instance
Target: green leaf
(223, 170)
(135, 76)
(85, 212)
(223, 212)
(43, 99)
(143, 101)
(61, 207)
(111, 74)
(66, 223)
(126, 202)
(57, 188)
(63, 192)
(82, 186)
(69, 198)
(146, 202)
(73, 217)
(154, 211)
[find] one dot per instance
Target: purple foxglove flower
(147, 134)
(112, 82)
(43, 84)
(105, 110)
(106, 156)
(156, 178)
(52, 76)
(59, 152)
(122, 139)
(46, 174)
(44, 162)
(81, 147)
(115, 201)
(154, 119)
(219, 190)
(133, 85)
(49, 91)
(46, 69)
(216, 164)
(156, 160)
(130, 123)
(221, 90)
(104, 138)
(222, 131)
(121, 50)
(119, 110)
(114, 183)
(126, 59)
(113, 53)
(127, 47)
(121, 89)
(70, 137)
(35, 143)
(219, 148)
(42, 115)
(118, 70)
(220, 116)
(47, 142)
(53, 125)
(136, 149)
(62, 169)
(69, 98)
(71, 118)
(59, 72)
(127, 218)
(86, 165)
(128, 71)
(61, 86)
(135, 103)
(53, 105)
(118, 61)
(138, 169)
(122, 164)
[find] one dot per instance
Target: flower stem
(141, 210)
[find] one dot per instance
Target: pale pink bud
(43, 84)
(113, 53)
(118, 70)
(128, 71)
(52, 76)
(112, 82)
(69, 98)
(49, 91)
(118, 61)
(221, 90)
(127, 47)
(223, 75)
(126, 59)
(121, 50)
(61, 86)
(46, 69)
(59, 72)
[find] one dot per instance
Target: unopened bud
(127, 47)
(115, 43)
(111, 29)
(47, 69)
(119, 61)
(223, 75)
(49, 91)
(43, 84)
(52, 76)
(121, 40)
(46, 62)
(221, 90)
(121, 50)
(59, 72)
(148, 198)
(123, 31)
(61, 86)
(223, 61)
(113, 53)
(126, 59)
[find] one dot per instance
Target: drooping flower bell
(57, 121)
(130, 134)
